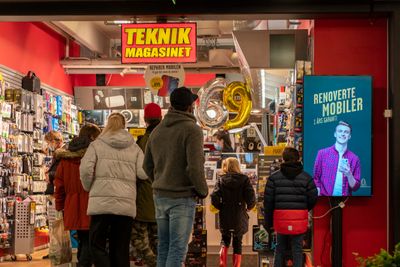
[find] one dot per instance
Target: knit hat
(182, 97)
(152, 111)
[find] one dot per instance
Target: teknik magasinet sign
(337, 148)
(159, 43)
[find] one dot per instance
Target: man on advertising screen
(337, 170)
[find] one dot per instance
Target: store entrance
(84, 79)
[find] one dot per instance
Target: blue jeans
(282, 245)
(175, 218)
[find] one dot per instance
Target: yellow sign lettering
(130, 52)
(174, 32)
(187, 49)
(130, 33)
(139, 52)
(174, 51)
(140, 37)
(180, 53)
(154, 53)
(183, 36)
(162, 52)
(164, 35)
(151, 36)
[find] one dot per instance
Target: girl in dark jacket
(70, 195)
(233, 196)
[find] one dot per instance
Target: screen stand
(336, 233)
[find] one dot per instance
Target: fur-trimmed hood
(76, 149)
(67, 154)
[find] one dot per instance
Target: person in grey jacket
(108, 171)
(174, 159)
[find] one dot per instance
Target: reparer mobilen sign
(159, 43)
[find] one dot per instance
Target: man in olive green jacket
(144, 231)
(174, 159)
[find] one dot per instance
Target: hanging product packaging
(20, 143)
(9, 95)
(5, 129)
(32, 104)
(30, 144)
(24, 119)
(47, 98)
(30, 123)
(18, 120)
(54, 105)
(28, 106)
(55, 124)
(38, 108)
(25, 143)
(3, 145)
(17, 95)
(23, 99)
(59, 102)
(6, 110)
(31, 82)
(1, 125)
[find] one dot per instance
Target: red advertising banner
(159, 43)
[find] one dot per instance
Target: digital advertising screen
(337, 130)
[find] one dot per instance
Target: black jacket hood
(233, 180)
(78, 143)
(291, 169)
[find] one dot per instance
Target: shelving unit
(23, 160)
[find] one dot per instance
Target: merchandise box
(196, 259)
(198, 243)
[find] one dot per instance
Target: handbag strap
(31, 74)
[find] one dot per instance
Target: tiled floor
(37, 261)
(247, 260)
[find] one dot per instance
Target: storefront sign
(273, 150)
(163, 79)
(337, 146)
(159, 43)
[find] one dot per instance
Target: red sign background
(159, 43)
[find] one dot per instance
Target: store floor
(37, 261)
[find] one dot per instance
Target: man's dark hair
(344, 123)
(90, 131)
(290, 154)
(152, 121)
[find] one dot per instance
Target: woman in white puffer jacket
(108, 171)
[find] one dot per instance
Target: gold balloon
(237, 98)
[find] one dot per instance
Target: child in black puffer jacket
(233, 196)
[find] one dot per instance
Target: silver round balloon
(210, 111)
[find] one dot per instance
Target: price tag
(32, 212)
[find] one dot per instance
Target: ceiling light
(119, 22)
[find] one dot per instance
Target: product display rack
(22, 164)
(197, 248)
(288, 124)
(263, 243)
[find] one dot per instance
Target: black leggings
(236, 241)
